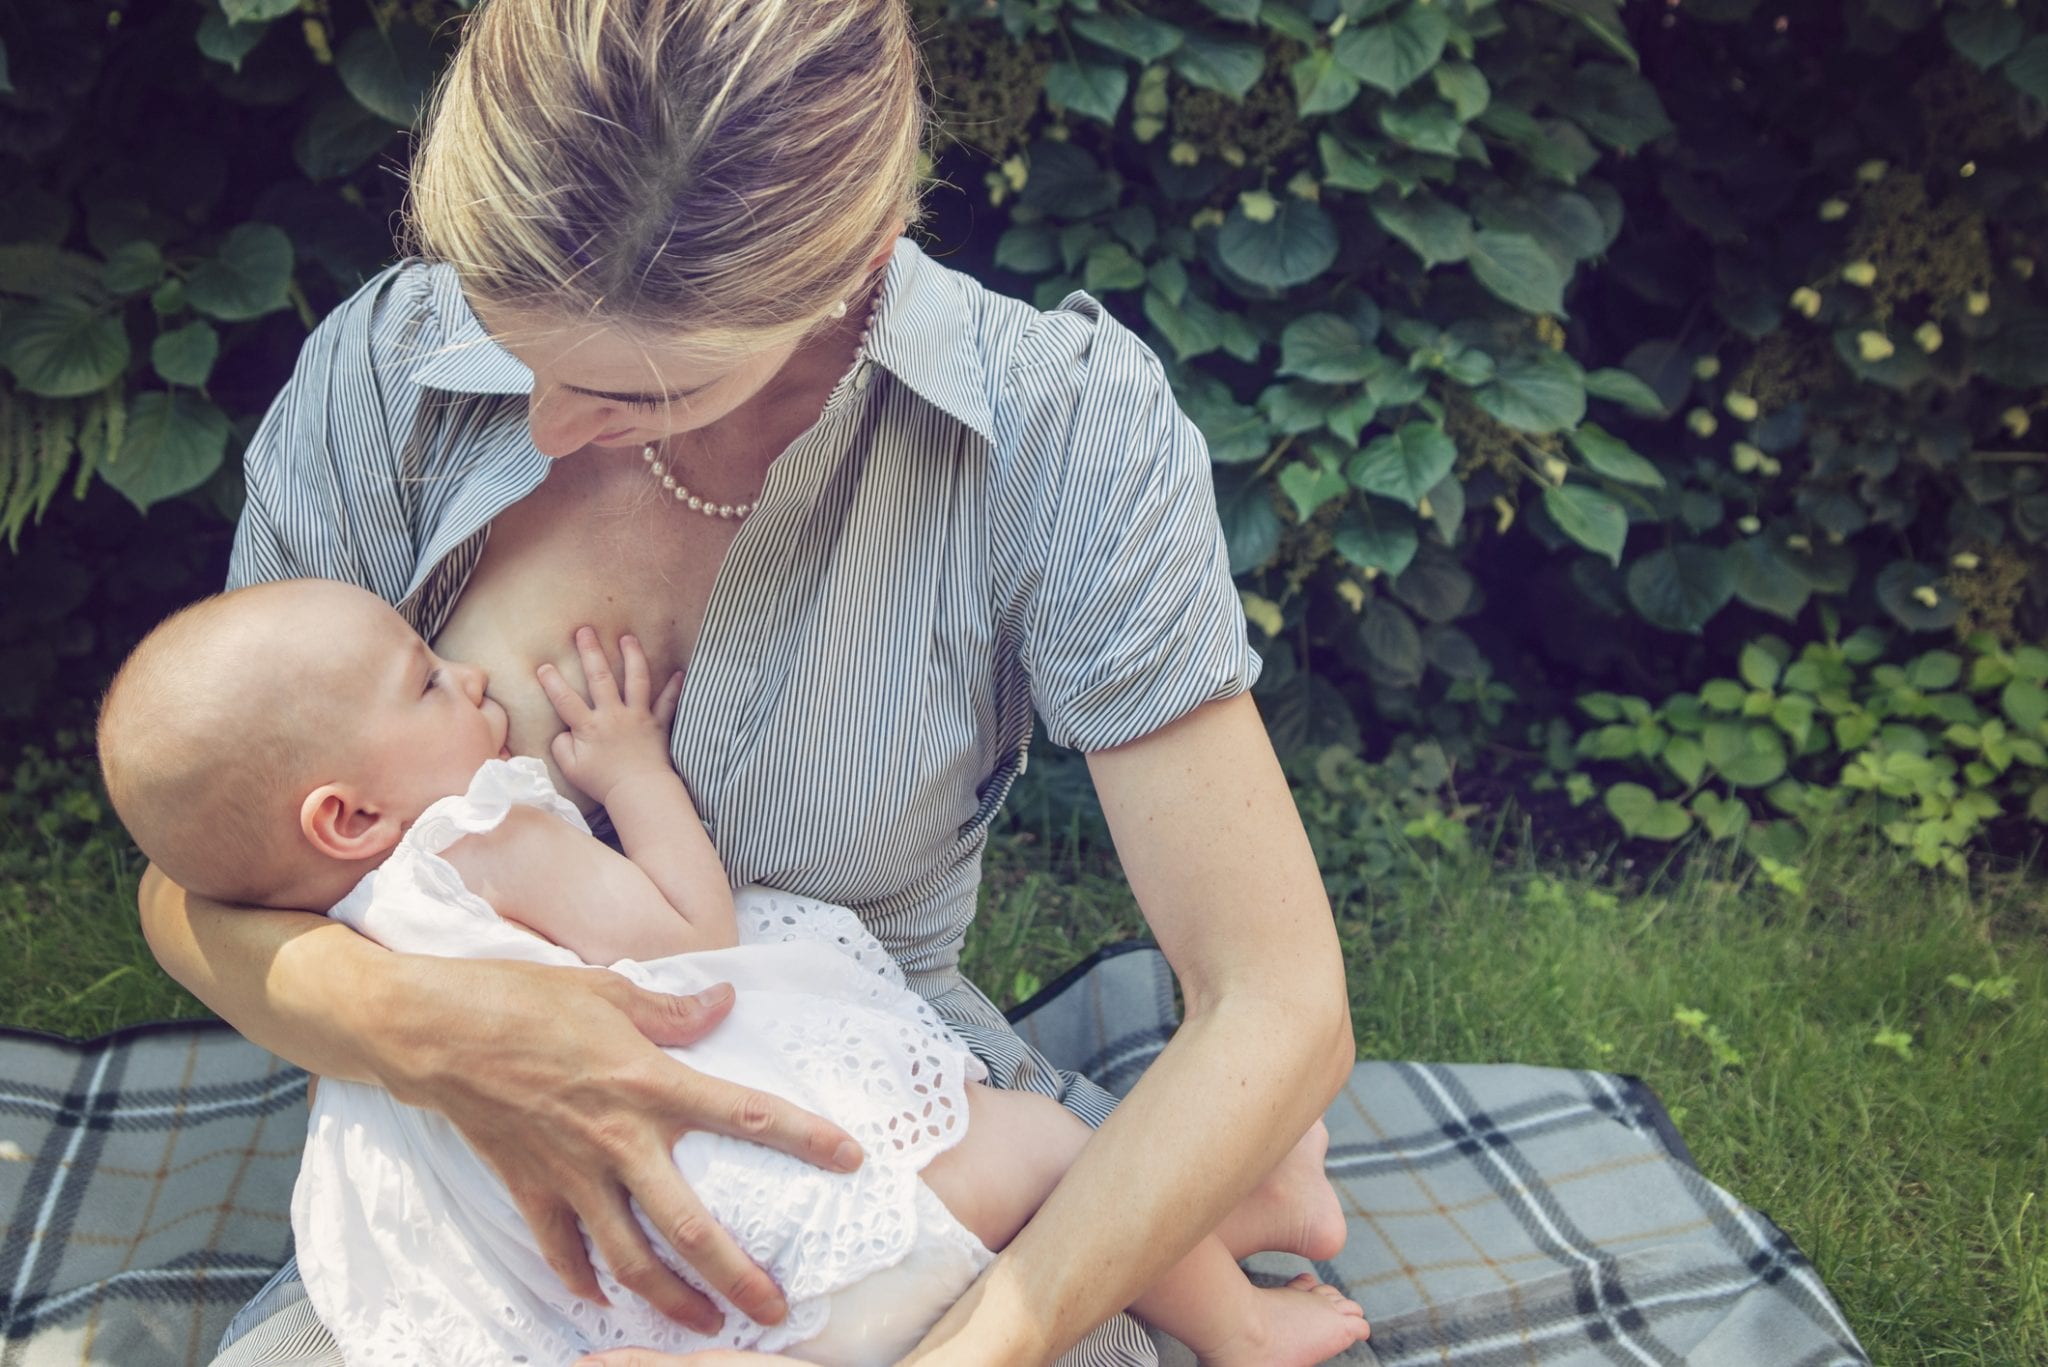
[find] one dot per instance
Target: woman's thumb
(670, 1020)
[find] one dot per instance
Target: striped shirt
(1000, 510)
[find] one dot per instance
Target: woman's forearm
(300, 985)
(1231, 1093)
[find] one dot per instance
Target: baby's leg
(1019, 1144)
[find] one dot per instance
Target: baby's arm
(616, 750)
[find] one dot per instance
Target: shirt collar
(923, 333)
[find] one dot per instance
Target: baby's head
(270, 745)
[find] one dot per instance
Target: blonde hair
(724, 168)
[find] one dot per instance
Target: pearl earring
(839, 309)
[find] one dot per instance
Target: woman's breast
(542, 576)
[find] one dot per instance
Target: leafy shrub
(1929, 751)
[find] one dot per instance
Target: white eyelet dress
(414, 1254)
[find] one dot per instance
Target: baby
(296, 744)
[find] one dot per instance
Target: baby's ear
(341, 826)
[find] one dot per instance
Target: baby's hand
(611, 737)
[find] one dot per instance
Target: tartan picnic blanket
(1498, 1214)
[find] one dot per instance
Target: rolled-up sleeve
(1130, 619)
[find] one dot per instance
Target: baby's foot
(1295, 1210)
(1297, 1325)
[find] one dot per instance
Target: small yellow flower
(1967, 169)
(1232, 153)
(1059, 132)
(1184, 154)
(1799, 541)
(1862, 273)
(1746, 457)
(2016, 421)
(1258, 206)
(1550, 332)
(1262, 612)
(1352, 594)
(1749, 525)
(1834, 538)
(1016, 171)
(1928, 336)
(1741, 405)
(1305, 186)
(1503, 514)
(316, 41)
(1372, 572)
(1833, 210)
(1965, 560)
(2023, 267)
(1872, 171)
(1769, 468)
(1423, 507)
(1806, 300)
(1874, 346)
(1206, 218)
(1926, 596)
(1706, 367)
(1977, 303)
(1702, 423)
(1146, 127)
(1554, 469)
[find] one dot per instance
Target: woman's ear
(880, 260)
(335, 823)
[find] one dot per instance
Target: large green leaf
(1405, 465)
(1765, 580)
(1134, 35)
(387, 70)
(1464, 85)
(1903, 588)
(250, 275)
(1681, 587)
(1538, 392)
(1066, 182)
(1987, 36)
(1602, 19)
(223, 40)
(1028, 249)
(1426, 126)
(2028, 68)
(1310, 484)
(257, 11)
(1348, 165)
(1436, 586)
(174, 442)
(1244, 11)
(1564, 221)
(1392, 56)
(1298, 244)
(37, 270)
(1645, 816)
(1251, 525)
(1748, 755)
(1588, 517)
(1615, 105)
(1609, 455)
(185, 355)
(1110, 266)
(133, 267)
(1437, 232)
(1519, 271)
(1096, 89)
(1619, 386)
(1376, 537)
(1393, 646)
(1321, 86)
(1230, 65)
(1236, 434)
(1328, 349)
(63, 348)
(339, 137)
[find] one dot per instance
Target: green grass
(1917, 1183)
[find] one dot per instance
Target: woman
(676, 373)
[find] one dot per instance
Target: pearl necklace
(737, 512)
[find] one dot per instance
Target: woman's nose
(563, 424)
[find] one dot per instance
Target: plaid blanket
(1498, 1214)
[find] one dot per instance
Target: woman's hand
(549, 1074)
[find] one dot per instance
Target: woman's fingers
(676, 1214)
(667, 1020)
(632, 1260)
(560, 1238)
(742, 1113)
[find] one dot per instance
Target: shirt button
(862, 376)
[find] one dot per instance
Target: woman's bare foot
(1297, 1325)
(1295, 1210)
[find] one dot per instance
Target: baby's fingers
(671, 696)
(597, 670)
(567, 702)
(635, 660)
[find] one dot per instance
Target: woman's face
(595, 385)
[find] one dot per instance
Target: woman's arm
(1215, 852)
(547, 1072)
